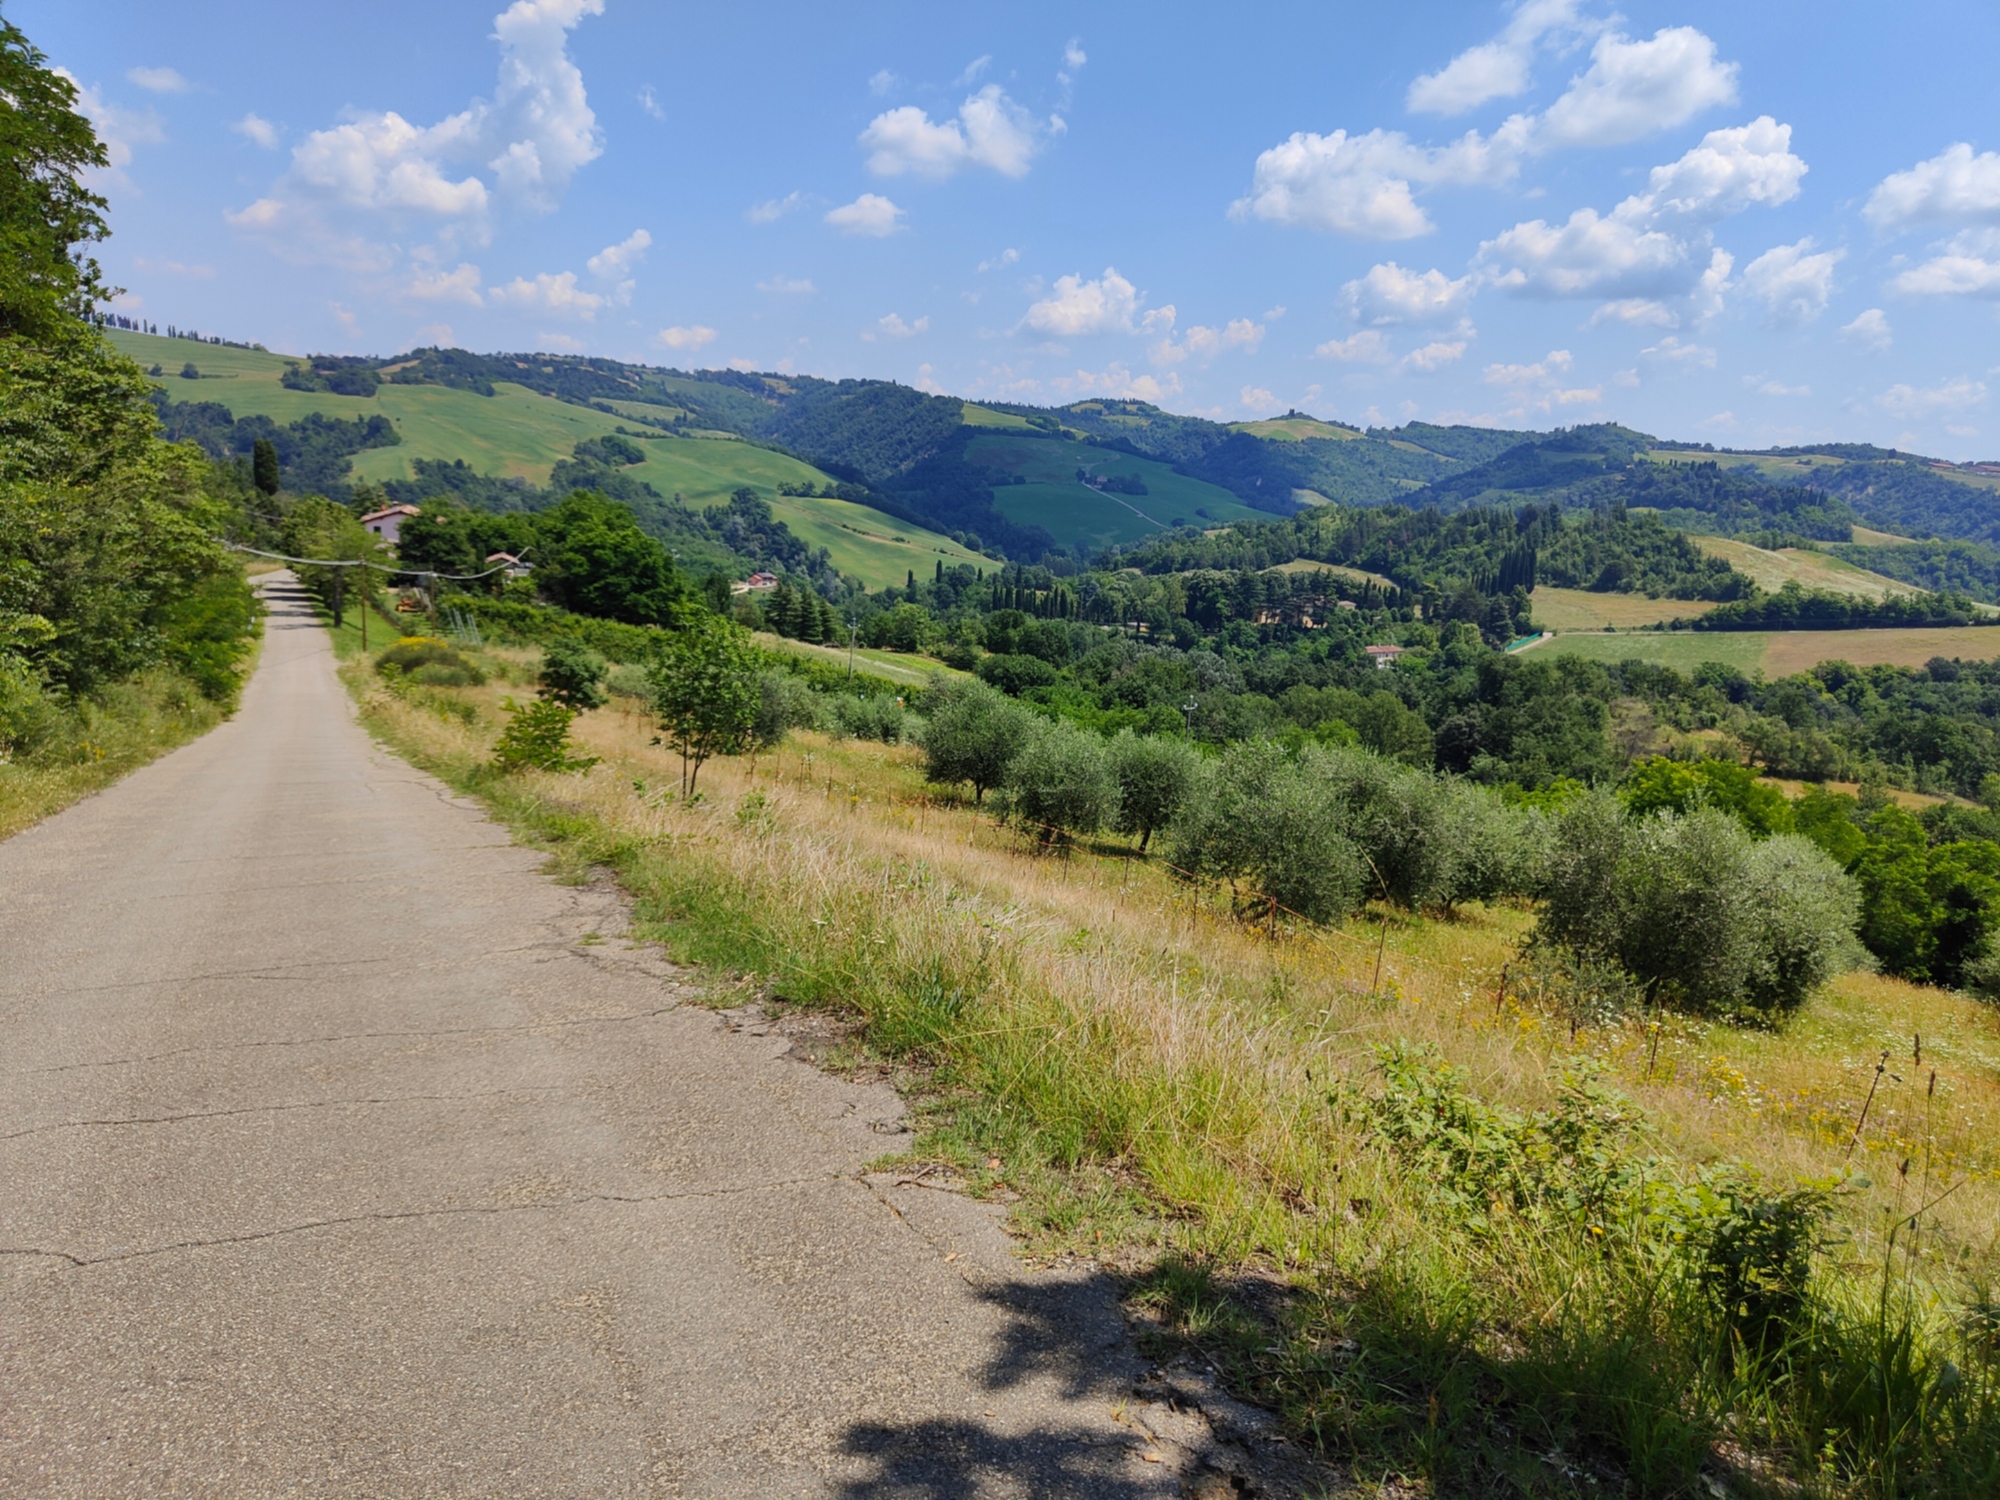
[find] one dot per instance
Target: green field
(973, 415)
(1074, 512)
(1683, 650)
(519, 434)
(1780, 653)
(1297, 430)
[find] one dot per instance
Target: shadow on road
(1067, 1334)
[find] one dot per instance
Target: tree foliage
(972, 735)
(47, 216)
(705, 691)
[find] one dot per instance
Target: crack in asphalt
(344, 1036)
(274, 1109)
(394, 1216)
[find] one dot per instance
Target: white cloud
(926, 381)
(1912, 404)
(1968, 265)
(881, 82)
(1634, 88)
(1794, 283)
(1368, 347)
(1671, 354)
(1653, 245)
(1360, 185)
(991, 131)
(870, 214)
(519, 149)
(685, 338)
(1552, 364)
(1256, 398)
(1433, 356)
(158, 80)
(972, 71)
(773, 209)
(892, 326)
(1074, 56)
(650, 103)
(1775, 387)
(1870, 330)
(614, 262)
(1539, 388)
(1390, 294)
(1498, 69)
(788, 286)
(461, 284)
(1237, 333)
(1118, 383)
(1954, 186)
(1635, 312)
(1006, 257)
(257, 130)
(559, 343)
(550, 292)
(1106, 304)
(120, 130)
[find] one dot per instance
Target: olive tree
(1154, 776)
(973, 735)
(1272, 831)
(1061, 783)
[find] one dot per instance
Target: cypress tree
(264, 466)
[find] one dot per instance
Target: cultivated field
(1778, 653)
(1771, 571)
(1075, 512)
(1581, 609)
(1297, 430)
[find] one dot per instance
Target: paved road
(336, 1158)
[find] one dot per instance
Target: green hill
(518, 433)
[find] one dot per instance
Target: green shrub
(628, 680)
(431, 662)
(973, 735)
(28, 716)
(537, 738)
(573, 675)
(784, 703)
(879, 718)
(1062, 783)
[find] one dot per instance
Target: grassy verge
(1464, 1241)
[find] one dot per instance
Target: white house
(387, 523)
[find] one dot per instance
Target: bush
(628, 680)
(537, 738)
(573, 675)
(1062, 783)
(784, 703)
(1695, 911)
(1154, 775)
(432, 662)
(972, 736)
(879, 718)
(1014, 675)
(28, 716)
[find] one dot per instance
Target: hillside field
(516, 433)
(1074, 512)
(1771, 571)
(1582, 609)
(1779, 653)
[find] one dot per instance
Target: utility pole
(364, 608)
(852, 631)
(1188, 709)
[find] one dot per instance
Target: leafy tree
(1062, 782)
(1258, 822)
(573, 675)
(593, 559)
(1155, 775)
(1662, 785)
(264, 466)
(318, 528)
(973, 736)
(784, 703)
(705, 690)
(47, 282)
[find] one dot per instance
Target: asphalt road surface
(344, 1153)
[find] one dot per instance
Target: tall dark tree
(264, 466)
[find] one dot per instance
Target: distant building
(387, 523)
(1384, 657)
(513, 565)
(760, 581)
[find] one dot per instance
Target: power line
(363, 562)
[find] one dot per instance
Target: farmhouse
(387, 523)
(1384, 657)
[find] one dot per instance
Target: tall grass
(1173, 1090)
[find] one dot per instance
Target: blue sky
(1747, 224)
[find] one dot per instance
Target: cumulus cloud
(892, 326)
(1635, 312)
(1498, 69)
(1870, 330)
(258, 131)
(1362, 185)
(1655, 244)
(614, 261)
(1200, 342)
(517, 151)
(551, 292)
(1118, 383)
(1104, 304)
(1005, 258)
(684, 338)
(871, 214)
(158, 80)
(1433, 356)
(1915, 403)
(991, 130)
(773, 209)
(1368, 347)
(461, 284)
(1966, 265)
(1634, 88)
(1955, 186)
(1390, 294)
(1539, 387)
(1671, 354)
(1793, 282)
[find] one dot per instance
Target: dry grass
(1772, 570)
(1580, 609)
(1792, 651)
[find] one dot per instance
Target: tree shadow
(1065, 1335)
